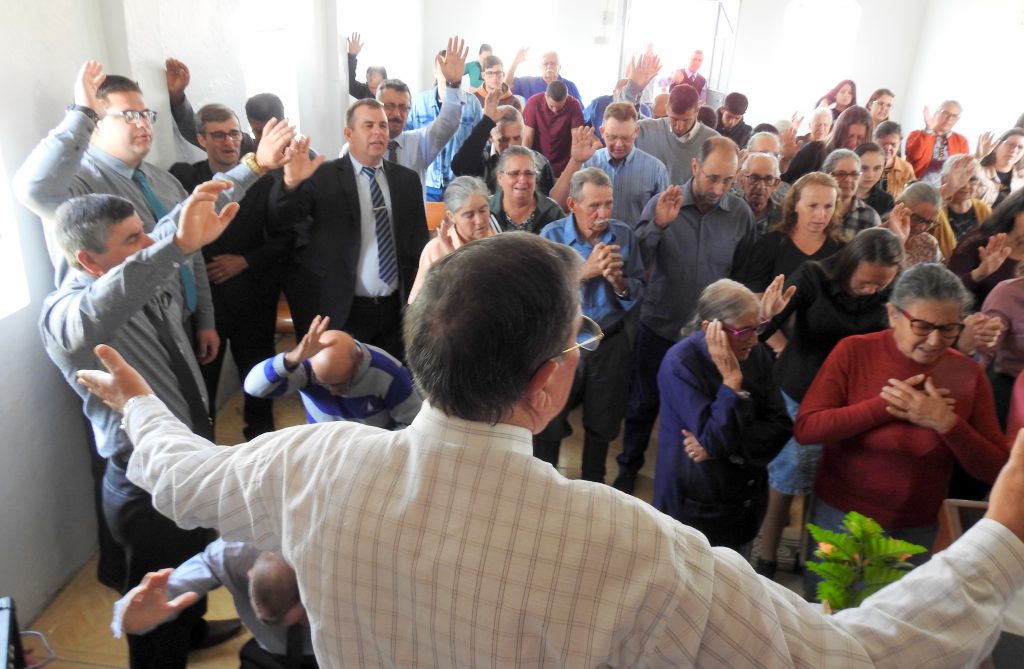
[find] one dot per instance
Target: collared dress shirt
(635, 180)
(449, 544)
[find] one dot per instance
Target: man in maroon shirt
(550, 118)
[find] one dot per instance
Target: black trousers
(254, 657)
(601, 385)
(150, 542)
(644, 398)
(377, 321)
(245, 314)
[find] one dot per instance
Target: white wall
(783, 65)
(47, 524)
(972, 53)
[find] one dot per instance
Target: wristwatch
(88, 111)
(249, 160)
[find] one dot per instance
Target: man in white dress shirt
(448, 544)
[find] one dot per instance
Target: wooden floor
(77, 622)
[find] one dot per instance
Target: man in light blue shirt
(636, 175)
(427, 107)
(612, 285)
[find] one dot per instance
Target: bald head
(336, 365)
(274, 591)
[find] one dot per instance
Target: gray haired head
(724, 300)
(832, 159)
(461, 189)
(920, 192)
(521, 151)
(930, 281)
(590, 175)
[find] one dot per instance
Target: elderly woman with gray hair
(897, 409)
(467, 217)
(718, 398)
(517, 205)
(843, 165)
(917, 211)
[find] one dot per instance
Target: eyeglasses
(134, 115)
(766, 180)
(715, 179)
(925, 328)
(743, 332)
(588, 337)
(391, 106)
(949, 114)
(515, 174)
(493, 73)
(846, 175)
(220, 135)
(921, 220)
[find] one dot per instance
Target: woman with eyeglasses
(962, 211)
(722, 420)
(808, 230)
(467, 217)
(880, 105)
(1003, 168)
(917, 210)
(840, 296)
(897, 409)
(990, 254)
(517, 205)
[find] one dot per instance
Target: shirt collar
(572, 234)
(435, 424)
(688, 201)
(359, 166)
(116, 164)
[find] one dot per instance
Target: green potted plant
(858, 563)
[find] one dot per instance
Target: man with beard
(691, 236)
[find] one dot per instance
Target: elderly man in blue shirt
(612, 283)
(636, 175)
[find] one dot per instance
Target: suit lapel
(347, 174)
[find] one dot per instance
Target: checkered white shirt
(447, 544)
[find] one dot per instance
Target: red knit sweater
(886, 468)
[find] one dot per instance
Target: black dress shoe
(625, 481)
(217, 632)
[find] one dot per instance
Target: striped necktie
(156, 207)
(393, 151)
(387, 262)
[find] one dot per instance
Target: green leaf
(881, 576)
(858, 597)
(846, 546)
(885, 548)
(838, 598)
(841, 574)
(861, 526)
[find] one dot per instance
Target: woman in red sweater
(895, 409)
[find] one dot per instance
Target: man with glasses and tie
(124, 290)
(612, 285)
(244, 265)
(100, 147)
(691, 236)
(361, 229)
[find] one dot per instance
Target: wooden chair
(435, 214)
(284, 324)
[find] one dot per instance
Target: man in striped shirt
(339, 378)
(636, 175)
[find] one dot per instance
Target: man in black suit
(361, 228)
(244, 264)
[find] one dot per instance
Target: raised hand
(644, 69)
(930, 120)
(669, 204)
(960, 173)
(199, 223)
(354, 44)
(992, 256)
(453, 62)
(90, 76)
(178, 78)
(584, 144)
(788, 139)
(899, 222)
(271, 152)
(986, 143)
(298, 165)
(118, 384)
(491, 104)
(693, 449)
(721, 354)
(146, 605)
(520, 55)
(775, 299)
(310, 344)
(930, 407)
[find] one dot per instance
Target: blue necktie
(387, 262)
(156, 207)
